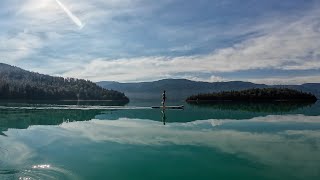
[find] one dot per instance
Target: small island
(256, 94)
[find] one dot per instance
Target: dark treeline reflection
(52, 103)
(22, 119)
(215, 111)
(267, 107)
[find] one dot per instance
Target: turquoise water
(133, 141)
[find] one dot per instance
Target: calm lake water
(220, 141)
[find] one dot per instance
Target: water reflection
(270, 141)
(22, 119)
(23, 114)
(216, 111)
(164, 117)
(20, 103)
(268, 153)
(258, 107)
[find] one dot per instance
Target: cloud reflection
(300, 147)
(289, 148)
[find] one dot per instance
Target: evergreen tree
(16, 83)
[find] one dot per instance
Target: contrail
(74, 18)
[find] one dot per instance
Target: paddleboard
(168, 107)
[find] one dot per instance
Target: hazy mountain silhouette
(180, 89)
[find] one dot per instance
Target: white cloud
(35, 24)
(287, 45)
(285, 80)
(212, 78)
(19, 46)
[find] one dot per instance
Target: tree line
(255, 94)
(16, 83)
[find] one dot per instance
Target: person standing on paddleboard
(164, 97)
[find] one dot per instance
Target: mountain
(180, 89)
(16, 83)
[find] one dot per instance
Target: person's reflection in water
(164, 118)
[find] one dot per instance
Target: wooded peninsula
(19, 84)
(256, 94)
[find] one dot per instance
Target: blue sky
(270, 41)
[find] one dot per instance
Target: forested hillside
(256, 94)
(16, 83)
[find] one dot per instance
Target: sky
(261, 41)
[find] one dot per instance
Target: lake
(69, 140)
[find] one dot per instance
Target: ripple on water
(8, 171)
(41, 171)
(8, 174)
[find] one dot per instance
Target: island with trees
(19, 84)
(255, 94)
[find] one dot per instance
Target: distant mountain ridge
(19, 84)
(180, 89)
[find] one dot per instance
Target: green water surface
(50, 140)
